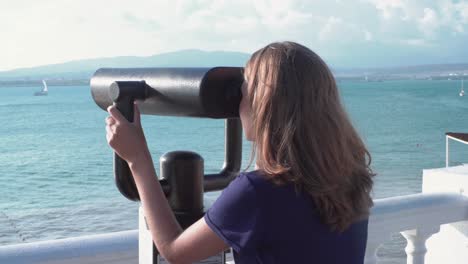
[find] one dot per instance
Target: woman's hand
(127, 139)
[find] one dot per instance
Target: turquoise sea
(56, 176)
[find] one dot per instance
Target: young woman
(308, 199)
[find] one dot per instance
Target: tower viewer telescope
(188, 92)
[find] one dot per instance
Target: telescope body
(191, 92)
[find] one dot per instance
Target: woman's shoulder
(244, 187)
(248, 186)
(255, 177)
(255, 180)
(263, 185)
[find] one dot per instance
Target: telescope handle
(123, 176)
(123, 94)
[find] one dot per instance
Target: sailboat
(44, 90)
(462, 92)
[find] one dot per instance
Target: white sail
(462, 92)
(45, 86)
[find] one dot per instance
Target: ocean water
(56, 176)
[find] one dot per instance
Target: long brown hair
(304, 136)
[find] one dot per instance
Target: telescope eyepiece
(119, 90)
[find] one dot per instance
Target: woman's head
(292, 111)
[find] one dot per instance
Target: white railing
(416, 216)
(447, 148)
(115, 248)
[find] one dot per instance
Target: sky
(346, 33)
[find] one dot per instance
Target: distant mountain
(84, 69)
(430, 69)
(80, 71)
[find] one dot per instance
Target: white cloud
(415, 42)
(463, 9)
(367, 35)
(337, 30)
(429, 23)
(53, 31)
(430, 20)
(329, 30)
(282, 13)
(389, 8)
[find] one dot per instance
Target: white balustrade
(115, 248)
(416, 216)
(416, 247)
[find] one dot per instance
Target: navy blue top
(265, 223)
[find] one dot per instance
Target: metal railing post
(446, 151)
